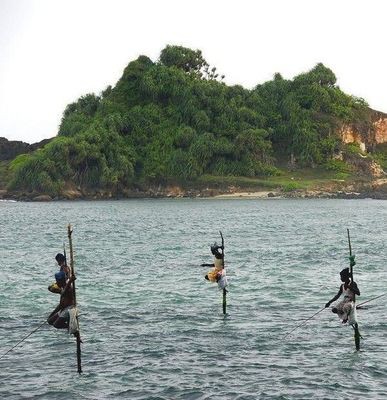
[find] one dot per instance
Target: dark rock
(42, 197)
(9, 149)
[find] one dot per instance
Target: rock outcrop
(369, 133)
(9, 149)
(380, 127)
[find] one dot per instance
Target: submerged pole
(77, 334)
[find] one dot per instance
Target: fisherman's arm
(354, 288)
(68, 284)
(334, 298)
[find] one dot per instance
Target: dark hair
(60, 258)
(345, 273)
(215, 251)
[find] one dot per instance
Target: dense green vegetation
(175, 120)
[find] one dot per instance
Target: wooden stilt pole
(224, 290)
(357, 335)
(77, 334)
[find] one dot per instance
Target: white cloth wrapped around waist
(70, 313)
(73, 321)
(352, 317)
(347, 310)
(222, 282)
(64, 313)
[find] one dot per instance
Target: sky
(54, 51)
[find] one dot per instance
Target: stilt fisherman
(64, 314)
(218, 272)
(63, 267)
(346, 309)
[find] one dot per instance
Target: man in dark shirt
(60, 317)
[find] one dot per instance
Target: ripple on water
(153, 327)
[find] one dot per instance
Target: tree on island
(174, 120)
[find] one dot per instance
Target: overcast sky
(54, 51)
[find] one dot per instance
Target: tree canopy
(173, 119)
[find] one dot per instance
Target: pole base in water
(79, 341)
(357, 336)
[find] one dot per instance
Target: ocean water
(153, 327)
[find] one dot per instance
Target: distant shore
(373, 192)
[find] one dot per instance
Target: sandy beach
(250, 195)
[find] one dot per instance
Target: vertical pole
(224, 289)
(77, 334)
(350, 255)
(355, 326)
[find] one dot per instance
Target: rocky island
(173, 128)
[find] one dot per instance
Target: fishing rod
(304, 322)
(21, 341)
(35, 330)
(377, 297)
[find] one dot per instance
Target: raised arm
(68, 284)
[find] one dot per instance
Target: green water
(153, 327)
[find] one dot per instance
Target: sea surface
(153, 327)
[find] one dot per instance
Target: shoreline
(361, 189)
(175, 193)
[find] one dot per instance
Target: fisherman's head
(216, 250)
(60, 259)
(345, 275)
(60, 278)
